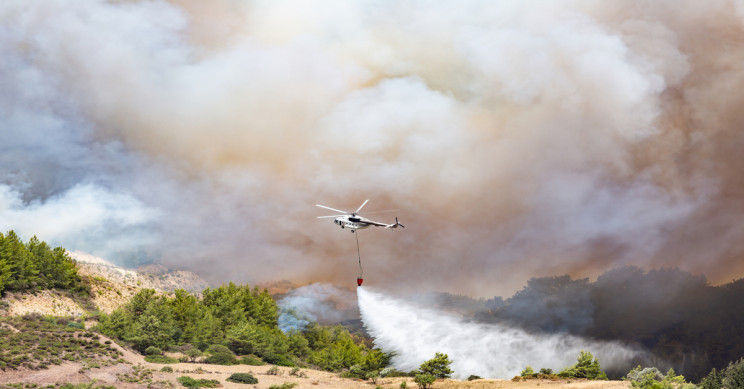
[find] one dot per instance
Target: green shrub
(372, 376)
(639, 374)
(193, 353)
(392, 372)
(251, 360)
(188, 382)
(424, 381)
(273, 371)
(200, 383)
(278, 359)
(586, 367)
(220, 355)
(355, 371)
(167, 369)
(529, 373)
(221, 359)
(286, 385)
(152, 350)
(439, 366)
(73, 324)
(160, 359)
(243, 378)
(217, 348)
(652, 378)
(474, 377)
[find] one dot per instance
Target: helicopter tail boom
(395, 225)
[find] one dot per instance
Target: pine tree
(209, 330)
(63, 271)
(186, 314)
(5, 269)
(586, 367)
(714, 380)
(734, 376)
(23, 270)
(439, 366)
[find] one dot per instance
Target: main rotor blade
(389, 210)
(332, 209)
(361, 206)
(323, 217)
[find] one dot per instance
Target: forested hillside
(241, 320)
(35, 266)
(234, 320)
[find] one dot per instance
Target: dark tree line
(35, 266)
(679, 317)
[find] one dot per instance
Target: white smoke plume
(415, 334)
(86, 216)
(520, 138)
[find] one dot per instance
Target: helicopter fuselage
(352, 222)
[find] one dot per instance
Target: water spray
(414, 334)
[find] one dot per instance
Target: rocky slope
(111, 287)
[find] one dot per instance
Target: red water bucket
(359, 281)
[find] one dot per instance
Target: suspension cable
(359, 255)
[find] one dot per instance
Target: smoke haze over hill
(518, 139)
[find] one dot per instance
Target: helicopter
(353, 221)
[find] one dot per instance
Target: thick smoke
(415, 334)
(569, 136)
(321, 303)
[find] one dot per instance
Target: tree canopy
(586, 367)
(234, 320)
(36, 266)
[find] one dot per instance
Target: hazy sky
(517, 138)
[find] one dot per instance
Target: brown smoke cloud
(517, 139)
